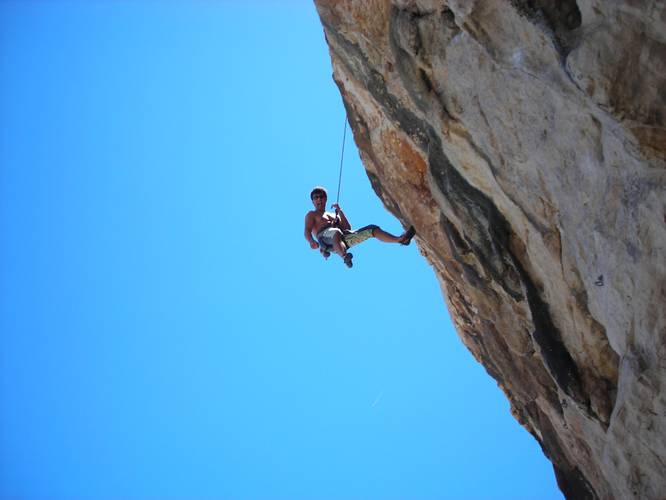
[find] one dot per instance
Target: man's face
(319, 201)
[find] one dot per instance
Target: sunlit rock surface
(525, 140)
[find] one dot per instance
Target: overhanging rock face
(525, 141)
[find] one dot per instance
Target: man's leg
(382, 235)
(339, 246)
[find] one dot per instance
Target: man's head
(318, 191)
(319, 196)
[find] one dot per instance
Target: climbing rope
(344, 135)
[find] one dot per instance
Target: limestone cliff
(525, 141)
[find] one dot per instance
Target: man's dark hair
(317, 190)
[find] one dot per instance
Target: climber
(334, 233)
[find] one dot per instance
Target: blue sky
(165, 330)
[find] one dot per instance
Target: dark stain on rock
(487, 234)
(561, 17)
(425, 79)
(599, 379)
(573, 484)
(405, 41)
(458, 244)
(412, 39)
(449, 19)
(460, 248)
(553, 351)
(570, 479)
(486, 231)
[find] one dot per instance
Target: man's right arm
(309, 226)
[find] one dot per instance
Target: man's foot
(407, 237)
(348, 260)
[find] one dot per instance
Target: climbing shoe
(407, 238)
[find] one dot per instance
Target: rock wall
(525, 141)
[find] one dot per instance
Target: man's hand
(340, 217)
(314, 245)
(338, 211)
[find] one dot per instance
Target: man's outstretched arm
(309, 226)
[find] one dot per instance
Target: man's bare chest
(324, 220)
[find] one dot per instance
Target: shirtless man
(333, 231)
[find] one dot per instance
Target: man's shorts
(351, 238)
(325, 237)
